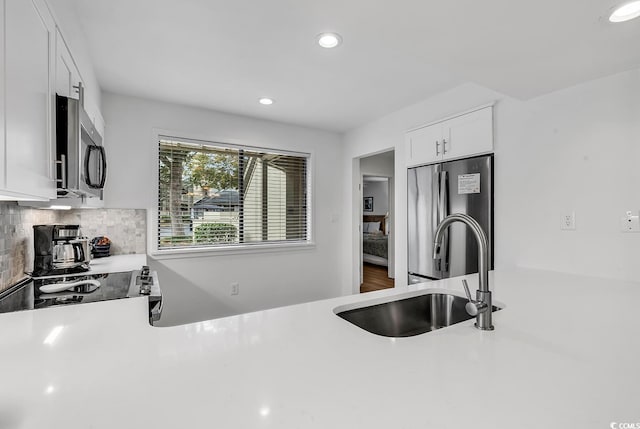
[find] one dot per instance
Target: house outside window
(215, 195)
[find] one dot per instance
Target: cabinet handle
(437, 148)
(63, 172)
(444, 146)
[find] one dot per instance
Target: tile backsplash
(16, 240)
(126, 228)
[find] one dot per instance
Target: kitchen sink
(410, 316)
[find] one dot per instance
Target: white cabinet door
(424, 145)
(469, 134)
(98, 122)
(28, 100)
(3, 183)
(67, 75)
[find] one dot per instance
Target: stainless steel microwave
(81, 163)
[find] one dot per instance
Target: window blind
(213, 194)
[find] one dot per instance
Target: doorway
(376, 222)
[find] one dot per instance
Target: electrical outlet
(235, 288)
(568, 221)
(630, 223)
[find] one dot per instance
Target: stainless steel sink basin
(410, 316)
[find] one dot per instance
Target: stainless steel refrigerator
(435, 191)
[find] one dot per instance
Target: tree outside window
(212, 195)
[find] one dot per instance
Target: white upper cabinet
(458, 137)
(469, 134)
(68, 77)
(35, 64)
(28, 100)
(98, 122)
(424, 145)
(67, 74)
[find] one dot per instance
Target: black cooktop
(27, 295)
(83, 268)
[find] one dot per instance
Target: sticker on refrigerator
(469, 183)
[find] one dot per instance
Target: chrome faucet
(480, 307)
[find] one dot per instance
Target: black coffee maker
(53, 242)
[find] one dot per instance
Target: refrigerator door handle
(435, 208)
(442, 192)
(443, 212)
(436, 212)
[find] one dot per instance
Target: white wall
(379, 191)
(380, 164)
(575, 149)
(198, 288)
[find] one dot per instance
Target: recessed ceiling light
(266, 101)
(329, 40)
(626, 12)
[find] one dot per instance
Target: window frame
(229, 249)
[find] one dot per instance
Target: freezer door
(469, 191)
(423, 185)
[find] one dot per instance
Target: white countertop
(117, 263)
(565, 354)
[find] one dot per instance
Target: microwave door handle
(87, 170)
(103, 167)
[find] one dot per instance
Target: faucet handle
(473, 307)
(466, 289)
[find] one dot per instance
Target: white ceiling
(224, 55)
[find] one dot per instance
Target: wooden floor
(375, 278)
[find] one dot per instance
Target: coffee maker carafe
(59, 249)
(67, 254)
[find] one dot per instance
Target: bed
(375, 241)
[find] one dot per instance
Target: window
(219, 195)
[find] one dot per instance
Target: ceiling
(224, 55)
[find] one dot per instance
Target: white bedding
(375, 260)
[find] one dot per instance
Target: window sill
(228, 251)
